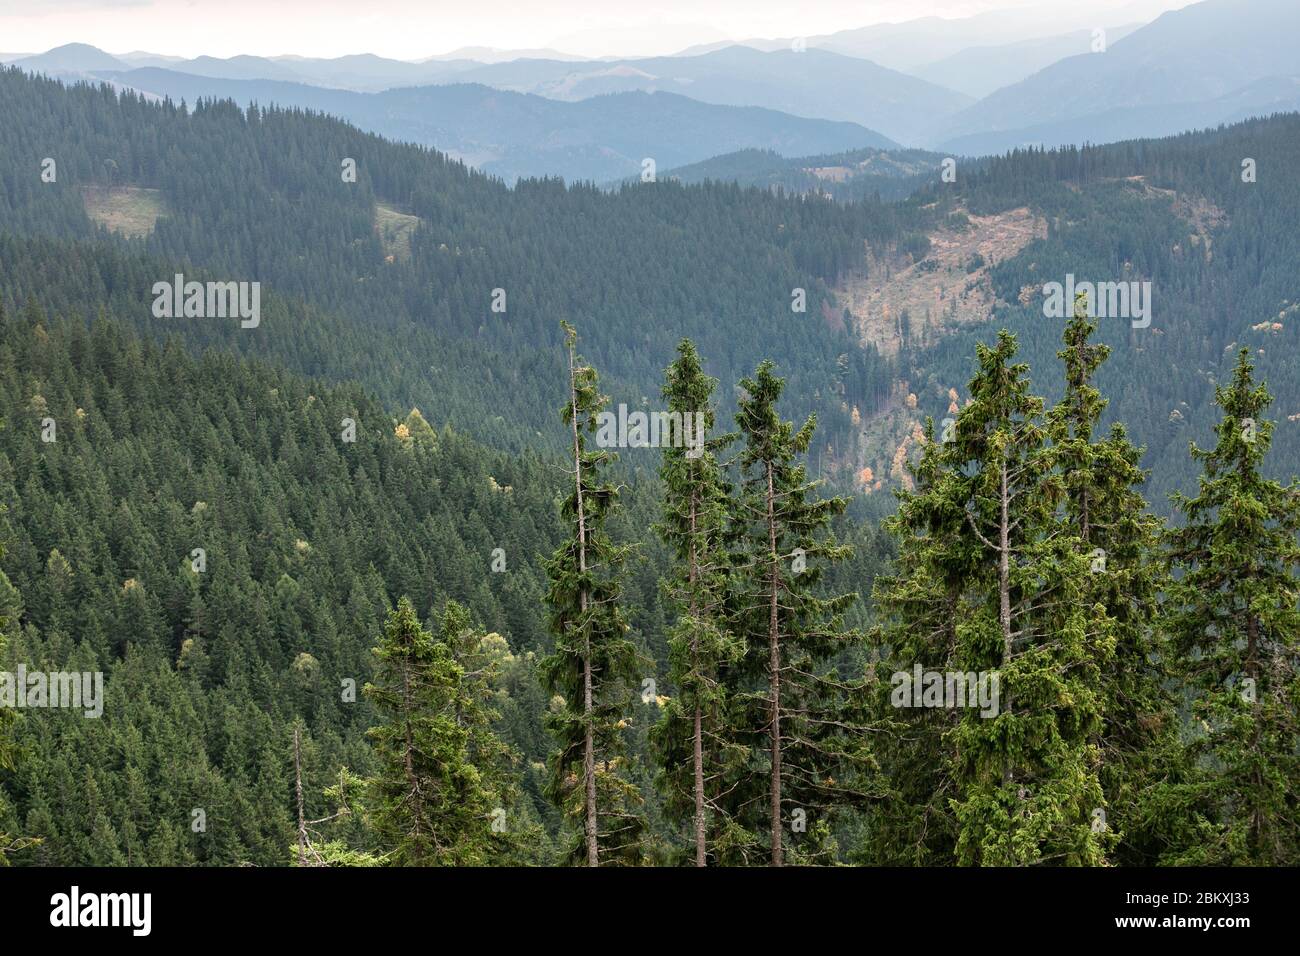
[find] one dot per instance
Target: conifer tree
(918, 602)
(1104, 507)
(802, 720)
(7, 755)
(429, 802)
(989, 584)
(594, 663)
(689, 737)
(1236, 627)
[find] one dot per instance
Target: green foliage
(1235, 623)
(992, 583)
(1141, 765)
(1025, 548)
(593, 664)
(692, 748)
(308, 542)
(442, 794)
(798, 716)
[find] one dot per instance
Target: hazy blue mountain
(239, 68)
(70, 58)
(362, 72)
(978, 71)
(491, 54)
(814, 83)
(1174, 71)
(365, 71)
(516, 135)
(1261, 98)
(913, 44)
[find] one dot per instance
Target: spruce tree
(1235, 624)
(801, 718)
(918, 601)
(429, 803)
(1104, 507)
(7, 749)
(593, 664)
(990, 583)
(689, 740)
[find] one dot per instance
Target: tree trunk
(590, 829)
(1004, 587)
(774, 671)
(297, 785)
(697, 747)
(1004, 569)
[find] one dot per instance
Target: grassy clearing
(130, 211)
(394, 229)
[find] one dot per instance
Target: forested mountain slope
(185, 510)
(205, 534)
(303, 541)
(859, 174)
(260, 196)
(1212, 233)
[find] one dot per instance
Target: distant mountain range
(813, 82)
(1208, 63)
(1044, 80)
(979, 70)
(515, 135)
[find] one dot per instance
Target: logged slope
(1219, 254)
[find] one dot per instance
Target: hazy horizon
(331, 28)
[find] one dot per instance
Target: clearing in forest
(130, 211)
(901, 300)
(394, 229)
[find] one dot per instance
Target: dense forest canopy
(366, 586)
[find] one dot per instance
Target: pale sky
(414, 29)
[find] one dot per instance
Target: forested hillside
(259, 195)
(856, 175)
(303, 540)
(1207, 219)
(369, 581)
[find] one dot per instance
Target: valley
(559, 451)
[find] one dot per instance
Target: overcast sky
(414, 29)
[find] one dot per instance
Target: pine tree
(800, 717)
(1138, 742)
(8, 750)
(594, 663)
(429, 803)
(690, 746)
(1236, 628)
